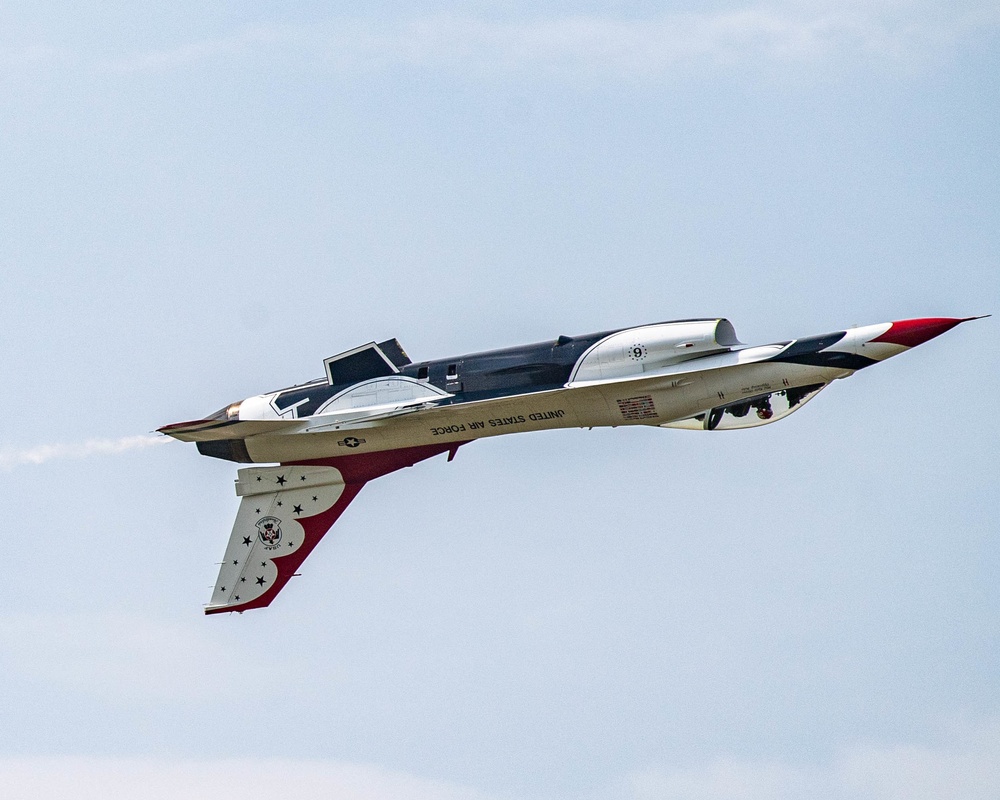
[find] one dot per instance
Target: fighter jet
(375, 411)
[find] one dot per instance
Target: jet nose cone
(911, 332)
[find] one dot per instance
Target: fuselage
(375, 412)
(691, 374)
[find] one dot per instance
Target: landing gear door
(752, 411)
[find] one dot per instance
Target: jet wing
(284, 513)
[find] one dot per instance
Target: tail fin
(284, 513)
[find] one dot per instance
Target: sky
(201, 203)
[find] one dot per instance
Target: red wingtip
(911, 332)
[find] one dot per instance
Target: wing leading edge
(284, 513)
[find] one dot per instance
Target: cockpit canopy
(367, 361)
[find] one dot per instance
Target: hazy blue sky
(200, 204)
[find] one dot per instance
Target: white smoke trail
(49, 452)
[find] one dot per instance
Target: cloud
(236, 44)
(121, 658)
(604, 45)
(251, 779)
(32, 56)
(965, 768)
(9, 459)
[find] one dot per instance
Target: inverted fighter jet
(375, 411)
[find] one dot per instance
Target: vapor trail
(48, 452)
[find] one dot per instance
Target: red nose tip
(911, 332)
